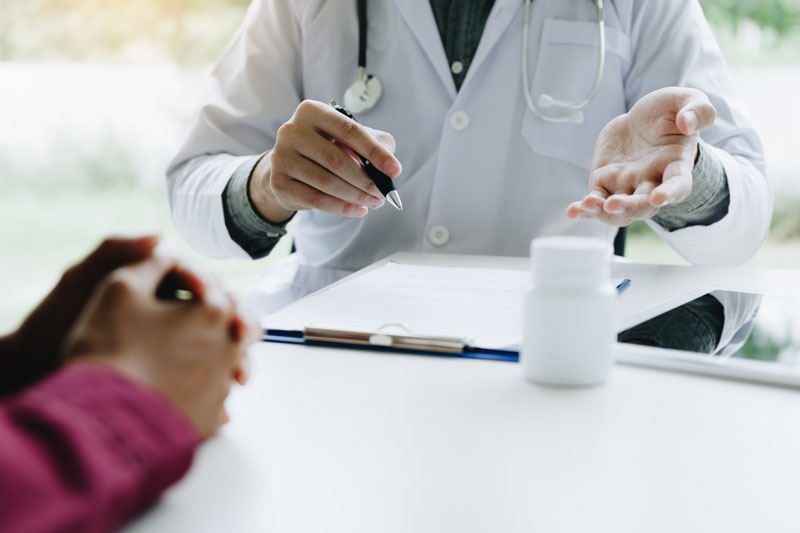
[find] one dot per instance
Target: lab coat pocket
(565, 69)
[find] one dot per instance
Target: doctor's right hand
(314, 166)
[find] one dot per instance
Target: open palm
(643, 160)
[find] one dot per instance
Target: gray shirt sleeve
(709, 200)
(256, 235)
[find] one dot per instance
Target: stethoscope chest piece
(363, 94)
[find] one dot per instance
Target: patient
(109, 385)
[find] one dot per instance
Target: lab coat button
(459, 120)
(457, 67)
(439, 235)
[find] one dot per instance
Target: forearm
(8, 349)
(9, 362)
(251, 92)
(247, 224)
(19, 369)
(738, 235)
(260, 194)
(698, 63)
(86, 450)
(195, 194)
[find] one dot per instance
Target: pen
(622, 286)
(381, 180)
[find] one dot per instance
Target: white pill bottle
(570, 312)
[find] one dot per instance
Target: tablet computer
(765, 347)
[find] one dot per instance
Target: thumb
(82, 278)
(695, 113)
(114, 252)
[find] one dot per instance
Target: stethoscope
(362, 95)
(367, 89)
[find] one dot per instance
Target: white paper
(483, 306)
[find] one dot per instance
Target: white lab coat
(482, 174)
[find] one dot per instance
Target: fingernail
(591, 209)
(393, 168)
(375, 203)
(617, 211)
(691, 121)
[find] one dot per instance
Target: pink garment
(86, 450)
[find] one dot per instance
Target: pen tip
(394, 199)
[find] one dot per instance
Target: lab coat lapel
(419, 18)
(503, 14)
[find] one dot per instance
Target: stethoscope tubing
(577, 116)
(545, 100)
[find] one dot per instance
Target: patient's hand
(190, 350)
(34, 349)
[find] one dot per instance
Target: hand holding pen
(381, 180)
(306, 170)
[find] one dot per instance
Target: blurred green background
(95, 96)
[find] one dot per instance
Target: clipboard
(318, 329)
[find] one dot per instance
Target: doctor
(500, 121)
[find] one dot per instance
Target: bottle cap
(571, 257)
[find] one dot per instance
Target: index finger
(676, 185)
(360, 139)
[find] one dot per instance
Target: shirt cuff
(708, 203)
(256, 235)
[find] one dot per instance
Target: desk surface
(340, 440)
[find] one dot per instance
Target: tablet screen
(774, 335)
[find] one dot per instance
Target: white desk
(326, 440)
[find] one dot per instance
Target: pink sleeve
(86, 450)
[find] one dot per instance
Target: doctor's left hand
(643, 160)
